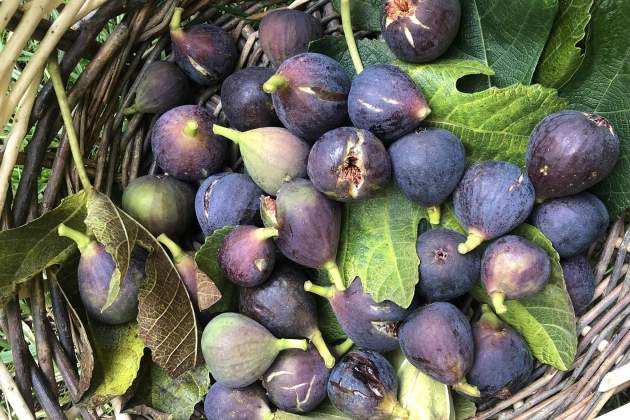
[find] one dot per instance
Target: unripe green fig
(162, 87)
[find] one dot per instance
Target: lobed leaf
(365, 14)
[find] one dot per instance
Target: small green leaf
(365, 14)
(464, 408)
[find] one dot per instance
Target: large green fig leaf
(365, 14)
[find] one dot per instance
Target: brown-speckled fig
(162, 87)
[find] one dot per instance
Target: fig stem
(343, 347)
(323, 291)
(228, 133)
(266, 233)
(191, 128)
(466, 388)
(130, 110)
(176, 251)
(66, 114)
(319, 343)
(498, 302)
(472, 241)
(335, 275)
(398, 411)
(434, 213)
(292, 343)
(489, 317)
(274, 83)
(346, 23)
(176, 20)
(80, 238)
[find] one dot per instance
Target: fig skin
(247, 255)
(162, 87)
(513, 268)
(493, 198)
(184, 146)
(227, 199)
(245, 104)
(286, 33)
(445, 274)
(363, 385)
(427, 166)
(206, 53)
(419, 31)
(310, 95)
(223, 403)
(572, 223)
(296, 381)
(348, 164)
(238, 350)
(395, 108)
(161, 203)
(569, 152)
(579, 278)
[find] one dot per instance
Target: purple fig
(162, 87)
(579, 278)
(223, 403)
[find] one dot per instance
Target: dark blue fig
(503, 363)
(310, 94)
(438, 340)
(238, 350)
(161, 203)
(96, 267)
(363, 385)
(579, 278)
(445, 274)
(206, 53)
(287, 32)
(419, 31)
(569, 152)
(492, 198)
(385, 100)
(247, 255)
(296, 381)
(162, 87)
(348, 164)
(427, 167)
(223, 403)
(513, 268)
(184, 146)
(227, 199)
(283, 306)
(245, 104)
(572, 223)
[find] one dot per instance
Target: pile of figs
(311, 140)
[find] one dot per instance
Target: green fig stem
(398, 411)
(130, 110)
(472, 241)
(176, 20)
(335, 275)
(176, 251)
(269, 415)
(323, 291)
(80, 238)
(434, 213)
(66, 114)
(228, 133)
(498, 302)
(489, 317)
(291, 343)
(319, 343)
(343, 347)
(266, 233)
(466, 388)
(191, 128)
(346, 23)
(540, 200)
(274, 83)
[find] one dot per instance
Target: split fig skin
(569, 152)
(223, 403)
(579, 278)
(162, 87)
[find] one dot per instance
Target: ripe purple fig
(513, 268)
(569, 152)
(206, 53)
(580, 281)
(162, 87)
(348, 164)
(184, 146)
(223, 403)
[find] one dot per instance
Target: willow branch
(7, 9)
(88, 7)
(12, 395)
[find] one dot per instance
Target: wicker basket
(117, 150)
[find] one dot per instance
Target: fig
(438, 340)
(513, 268)
(427, 167)
(238, 350)
(419, 31)
(492, 198)
(445, 274)
(572, 223)
(245, 104)
(223, 403)
(348, 164)
(285, 308)
(184, 146)
(247, 255)
(96, 267)
(260, 149)
(369, 324)
(161, 203)
(206, 53)
(503, 363)
(385, 100)
(363, 385)
(162, 87)
(287, 32)
(227, 199)
(579, 278)
(569, 152)
(297, 380)
(310, 94)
